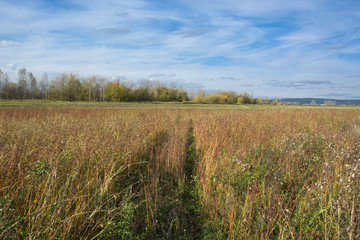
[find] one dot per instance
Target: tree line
(71, 87)
(230, 97)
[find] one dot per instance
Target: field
(178, 171)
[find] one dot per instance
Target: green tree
(182, 95)
(246, 98)
(91, 89)
(172, 91)
(213, 98)
(33, 90)
(115, 91)
(57, 89)
(73, 88)
(22, 83)
(228, 96)
(12, 91)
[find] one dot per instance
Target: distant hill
(304, 101)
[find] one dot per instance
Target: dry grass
(65, 173)
(86, 173)
(286, 174)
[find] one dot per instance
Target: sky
(271, 48)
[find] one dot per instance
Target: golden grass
(279, 174)
(86, 173)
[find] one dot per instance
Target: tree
(228, 96)
(182, 96)
(172, 91)
(200, 97)
(86, 90)
(267, 100)
(1, 84)
(115, 91)
(12, 91)
(143, 91)
(192, 95)
(246, 98)
(22, 83)
(6, 83)
(44, 86)
(90, 89)
(102, 86)
(73, 88)
(59, 87)
(275, 101)
(33, 90)
(163, 95)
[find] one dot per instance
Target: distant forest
(318, 101)
(72, 87)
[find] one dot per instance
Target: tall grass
(81, 173)
(97, 173)
(280, 174)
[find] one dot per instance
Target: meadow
(178, 171)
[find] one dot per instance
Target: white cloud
(188, 33)
(4, 43)
(299, 37)
(250, 8)
(11, 66)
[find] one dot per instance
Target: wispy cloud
(191, 85)
(11, 66)
(188, 33)
(353, 76)
(315, 82)
(305, 44)
(296, 84)
(115, 31)
(162, 75)
(122, 14)
(230, 78)
(4, 43)
(337, 46)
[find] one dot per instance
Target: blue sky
(272, 48)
